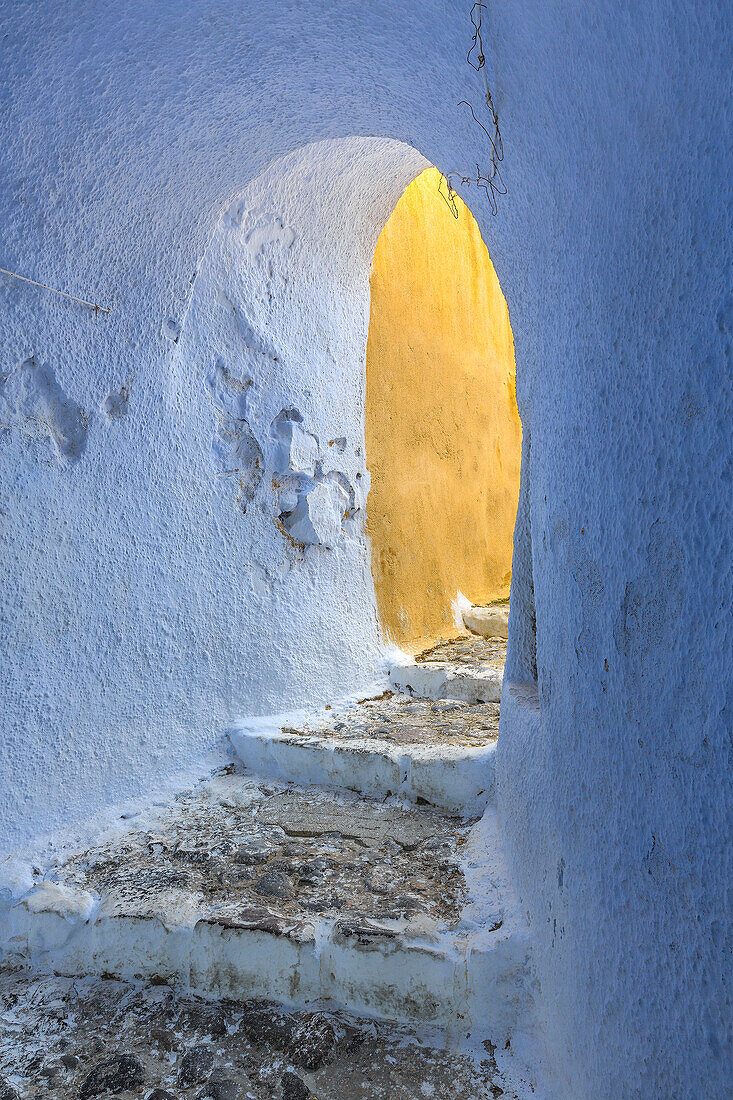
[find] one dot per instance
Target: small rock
(313, 1041)
(7, 1092)
(161, 1094)
(196, 1066)
(255, 852)
(274, 884)
(69, 1061)
(294, 1087)
(264, 1025)
(285, 865)
(163, 1038)
(206, 1019)
(220, 1088)
(122, 1071)
(324, 902)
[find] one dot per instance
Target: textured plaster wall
(128, 132)
(443, 434)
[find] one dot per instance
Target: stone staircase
(348, 859)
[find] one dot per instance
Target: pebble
(196, 1066)
(161, 1094)
(274, 884)
(122, 1071)
(313, 1042)
(294, 1087)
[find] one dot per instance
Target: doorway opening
(443, 434)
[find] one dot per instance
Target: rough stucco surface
(443, 434)
(128, 133)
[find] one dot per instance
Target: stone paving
(337, 893)
(467, 650)
(78, 1039)
(255, 852)
(403, 720)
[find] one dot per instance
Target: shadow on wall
(443, 433)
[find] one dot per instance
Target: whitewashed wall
(141, 610)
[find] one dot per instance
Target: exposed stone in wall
(33, 404)
(312, 505)
(295, 449)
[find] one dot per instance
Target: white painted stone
(379, 970)
(67, 902)
(317, 517)
(488, 622)
(296, 450)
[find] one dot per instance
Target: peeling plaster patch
(234, 448)
(116, 404)
(32, 402)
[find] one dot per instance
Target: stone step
(242, 889)
(437, 752)
(466, 668)
(491, 621)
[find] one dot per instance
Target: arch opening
(443, 434)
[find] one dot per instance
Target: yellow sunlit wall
(443, 433)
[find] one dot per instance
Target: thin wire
(83, 301)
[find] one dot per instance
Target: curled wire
(476, 42)
(490, 181)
